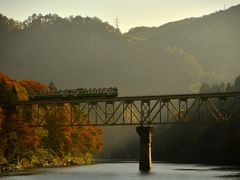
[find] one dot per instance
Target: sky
(130, 13)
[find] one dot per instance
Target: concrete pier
(145, 157)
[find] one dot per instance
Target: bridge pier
(145, 157)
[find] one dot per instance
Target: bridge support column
(145, 157)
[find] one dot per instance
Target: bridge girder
(145, 111)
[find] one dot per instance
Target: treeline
(204, 141)
(52, 145)
(222, 87)
(213, 143)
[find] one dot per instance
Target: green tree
(229, 87)
(236, 86)
(205, 88)
(221, 87)
(214, 88)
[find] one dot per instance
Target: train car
(80, 93)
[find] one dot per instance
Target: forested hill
(86, 52)
(213, 39)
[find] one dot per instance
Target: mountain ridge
(88, 52)
(215, 32)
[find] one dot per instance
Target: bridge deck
(135, 98)
(134, 110)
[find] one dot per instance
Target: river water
(125, 171)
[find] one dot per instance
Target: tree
(17, 138)
(229, 87)
(56, 138)
(236, 86)
(52, 86)
(214, 88)
(205, 88)
(85, 140)
(52, 143)
(221, 87)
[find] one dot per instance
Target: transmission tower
(117, 23)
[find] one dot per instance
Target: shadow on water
(237, 175)
(145, 173)
(21, 173)
(229, 168)
(234, 169)
(190, 169)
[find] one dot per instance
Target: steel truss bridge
(135, 110)
(141, 111)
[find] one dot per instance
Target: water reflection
(124, 171)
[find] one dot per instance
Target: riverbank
(4, 168)
(15, 169)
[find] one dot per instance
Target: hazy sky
(131, 13)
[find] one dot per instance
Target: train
(80, 93)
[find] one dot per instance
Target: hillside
(212, 39)
(86, 52)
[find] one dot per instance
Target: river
(125, 171)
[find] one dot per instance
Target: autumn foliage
(40, 146)
(21, 92)
(32, 85)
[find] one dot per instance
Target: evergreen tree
(205, 88)
(237, 84)
(221, 87)
(229, 87)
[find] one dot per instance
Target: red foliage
(33, 85)
(86, 139)
(5, 79)
(1, 117)
(26, 134)
(10, 83)
(78, 140)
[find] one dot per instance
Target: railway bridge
(141, 111)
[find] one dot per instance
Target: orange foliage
(26, 134)
(6, 79)
(86, 139)
(33, 85)
(21, 91)
(22, 86)
(80, 140)
(1, 117)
